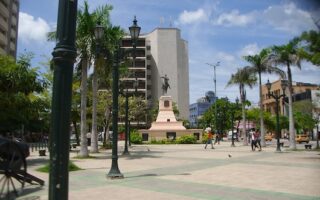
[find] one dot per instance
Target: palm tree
(260, 64)
(243, 78)
(288, 55)
(100, 15)
(84, 42)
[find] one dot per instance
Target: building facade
(301, 91)
(159, 53)
(201, 106)
(9, 16)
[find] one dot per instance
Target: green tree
(288, 55)
(310, 42)
(260, 64)
(243, 77)
(224, 115)
(20, 101)
(304, 120)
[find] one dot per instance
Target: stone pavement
(185, 172)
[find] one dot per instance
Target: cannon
(13, 168)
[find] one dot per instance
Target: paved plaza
(186, 172)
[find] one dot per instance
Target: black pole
(129, 133)
(64, 55)
(232, 119)
(126, 152)
(278, 124)
(114, 171)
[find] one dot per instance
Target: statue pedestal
(166, 127)
(166, 119)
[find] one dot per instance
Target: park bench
(308, 146)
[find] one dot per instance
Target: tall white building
(159, 53)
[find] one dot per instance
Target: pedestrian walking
(209, 141)
(257, 137)
(217, 139)
(253, 142)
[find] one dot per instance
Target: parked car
(302, 138)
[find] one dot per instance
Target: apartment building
(9, 16)
(159, 53)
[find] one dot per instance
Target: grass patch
(71, 167)
(86, 157)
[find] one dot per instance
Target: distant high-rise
(9, 16)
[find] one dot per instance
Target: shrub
(205, 138)
(135, 137)
(186, 139)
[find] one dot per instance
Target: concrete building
(9, 16)
(159, 53)
(201, 106)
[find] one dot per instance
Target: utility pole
(215, 92)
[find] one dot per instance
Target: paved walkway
(185, 172)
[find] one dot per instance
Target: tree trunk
(291, 120)
(83, 124)
(94, 134)
(262, 132)
(76, 132)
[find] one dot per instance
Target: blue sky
(221, 31)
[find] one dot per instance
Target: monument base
(169, 134)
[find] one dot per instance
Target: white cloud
(288, 18)
(189, 17)
(250, 49)
(32, 30)
(225, 57)
(285, 17)
(234, 19)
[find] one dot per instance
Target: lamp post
(215, 91)
(134, 33)
(277, 97)
(126, 151)
(64, 55)
(233, 108)
(114, 172)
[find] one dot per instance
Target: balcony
(4, 10)
(3, 40)
(3, 24)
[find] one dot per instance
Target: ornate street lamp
(98, 32)
(64, 55)
(114, 172)
(277, 97)
(134, 33)
(233, 109)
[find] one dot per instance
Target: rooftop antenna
(161, 21)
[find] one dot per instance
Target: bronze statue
(165, 84)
